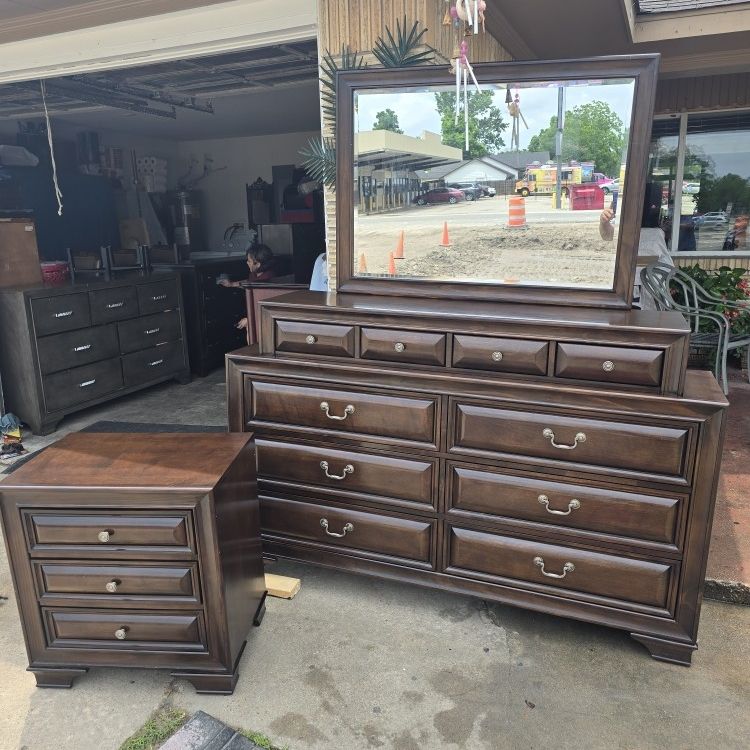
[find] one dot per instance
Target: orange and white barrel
(516, 212)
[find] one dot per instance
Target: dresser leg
(670, 651)
(57, 678)
(184, 377)
(212, 684)
(261, 611)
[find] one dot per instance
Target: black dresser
(65, 348)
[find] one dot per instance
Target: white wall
(477, 171)
(245, 159)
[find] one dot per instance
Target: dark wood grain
(417, 347)
(500, 354)
(314, 338)
(608, 364)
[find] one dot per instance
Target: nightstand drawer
(525, 357)
(70, 387)
(75, 348)
(63, 312)
(415, 347)
(314, 338)
(157, 297)
(114, 303)
(610, 364)
(151, 364)
(125, 630)
(148, 331)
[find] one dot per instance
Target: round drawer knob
(104, 536)
(310, 339)
(121, 633)
(399, 347)
(112, 586)
(497, 356)
(608, 365)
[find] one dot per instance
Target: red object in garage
(583, 197)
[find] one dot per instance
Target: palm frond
(404, 49)
(349, 60)
(319, 159)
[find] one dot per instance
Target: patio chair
(659, 279)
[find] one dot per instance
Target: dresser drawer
(654, 449)
(351, 531)
(609, 364)
(345, 471)
(74, 348)
(314, 338)
(500, 354)
(76, 584)
(148, 331)
(480, 494)
(126, 630)
(352, 412)
(113, 303)
(566, 569)
(416, 347)
(63, 312)
(109, 534)
(71, 387)
(157, 297)
(151, 364)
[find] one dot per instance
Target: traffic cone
(391, 265)
(399, 254)
(446, 242)
(362, 268)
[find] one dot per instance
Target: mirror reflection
(525, 190)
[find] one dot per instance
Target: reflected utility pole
(558, 144)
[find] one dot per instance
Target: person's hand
(606, 230)
(242, 324)
(606, 216)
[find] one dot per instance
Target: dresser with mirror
(478, 406)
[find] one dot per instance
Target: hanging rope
(58, 192)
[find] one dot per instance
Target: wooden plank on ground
(282, 587)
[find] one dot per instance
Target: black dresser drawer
(149, 331)
(159, 296)
(76, 348)
(63, 312)
(152, 364)
(114, 303)
(70, 387)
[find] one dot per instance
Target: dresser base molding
(669, 651)
(52, 677)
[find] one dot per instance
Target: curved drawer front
(356, 412)
(622, 445)
(641, 582)
(347, 471)
(526, 357)
(474, 492)
(350, 530)
(416, 347)
(609, 364)
(314, 338)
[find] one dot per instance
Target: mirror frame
(642, 68)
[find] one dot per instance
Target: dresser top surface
(132, 460)
(490, 311)
(84, 284)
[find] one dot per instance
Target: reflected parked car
(613, 186)
(438, 195)
(691, 188)
(472, 190)
(711, 218)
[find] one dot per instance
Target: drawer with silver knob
(610, 364)
(80, 384)
(414, 347)
(304, 337)
(522, 356)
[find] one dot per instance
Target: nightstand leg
(212, 684)
(669, 651)
(57, 678)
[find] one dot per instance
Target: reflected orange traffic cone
(362, 268)
(399, 254)
(391, 265)
(446, 242)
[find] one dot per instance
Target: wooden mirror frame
(642, 68)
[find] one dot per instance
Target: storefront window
(662, 175)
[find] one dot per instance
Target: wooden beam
(282, 587)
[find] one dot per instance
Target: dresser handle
(348, 469)
(497, 356)
(103, 536)
(113, 585)
(156, 362)
(567, 568)
(81, 348)
(572, 505)
(325, 406)
(87, 383)
(399, 347)
(121, 633)
(159, 297)
(347, 528)
(65, 314)
(150, 331)
(114, 305)
(310, 339)
(579, 438)
(608, 365)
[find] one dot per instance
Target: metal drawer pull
(325, 406)
(579, 438)
(159, 297)
(347, 528)
(65, 314)
(114, 305)
(81, 348)
(156, 362)
(567, 568)
(572, 505)
(399, 347)
(497, 356)
(103, 536)
(150, 331)
(113, 585)
(87, 383)
(310, 339)
(608, 365)
(348, 469)
(121, 633)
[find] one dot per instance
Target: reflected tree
(486, 124)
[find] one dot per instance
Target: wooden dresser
(139, 551)
(558, 459)
(65, 348)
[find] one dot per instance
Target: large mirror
(520, 182)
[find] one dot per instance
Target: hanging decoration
(58, 192)
(514, 110)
